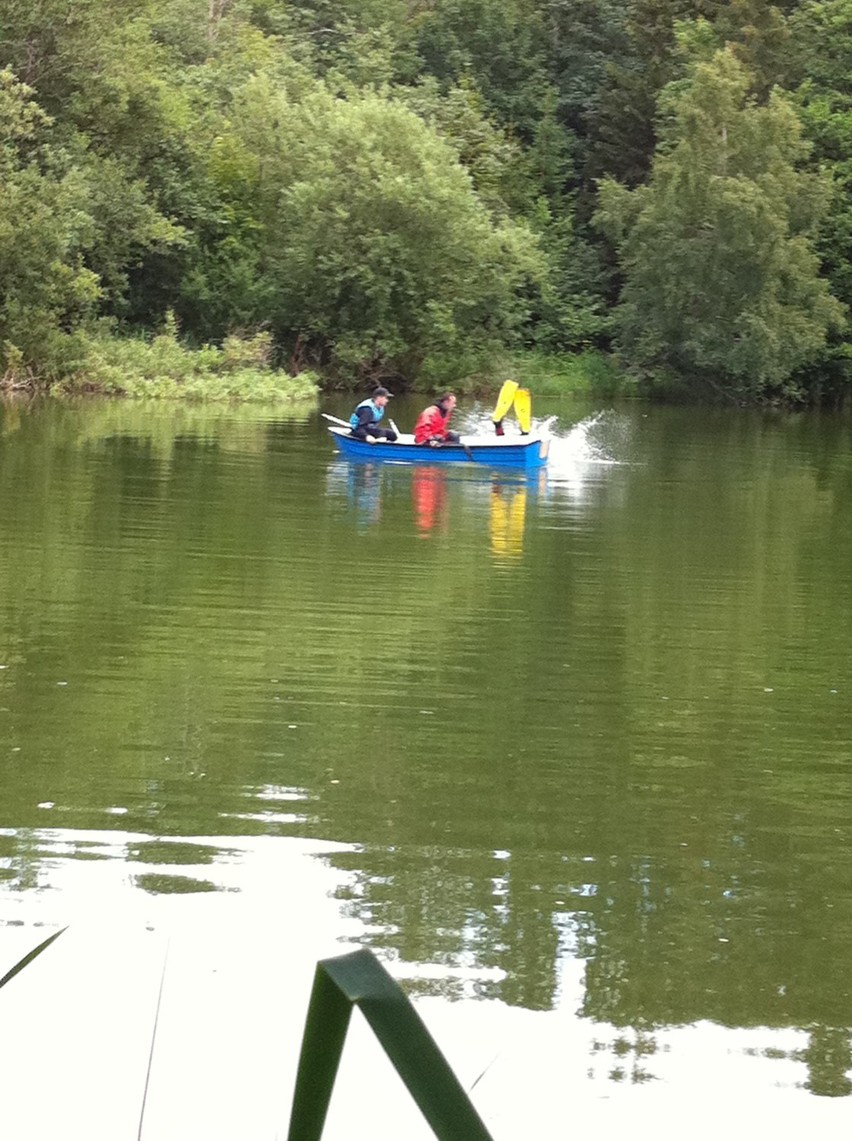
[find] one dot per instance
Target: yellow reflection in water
(508, 515)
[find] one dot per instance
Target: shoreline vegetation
(164, 371)
(162, 368)
(257, 199)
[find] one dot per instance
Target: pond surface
(570, 752)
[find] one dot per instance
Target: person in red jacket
(432, 425)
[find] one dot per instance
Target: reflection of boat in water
(524, 452)
(361, 486)
(499, 499)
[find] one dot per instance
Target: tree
(45, 229)
(721, 282)
(662, 36)
(624, 128)
(499, 46)
(121, 123)
(759, 35)
(820, 62)
(370, 249)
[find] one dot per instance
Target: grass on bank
(589, 373)
(161, 368)
(100, 362)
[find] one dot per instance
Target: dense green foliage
(720, 280)
(161, 368)
(408, 190)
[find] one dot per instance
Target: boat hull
(521, 453)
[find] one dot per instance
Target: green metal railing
(359, 979)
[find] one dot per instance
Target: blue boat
(524, 453)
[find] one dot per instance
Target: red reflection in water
(429, 491)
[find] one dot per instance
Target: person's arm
(365, 416)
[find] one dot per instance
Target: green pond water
(578, 742)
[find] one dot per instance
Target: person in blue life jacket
(365, 419)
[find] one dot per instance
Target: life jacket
(431, 423)
(377, 412)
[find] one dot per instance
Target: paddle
(398, 433)
(523, 410)
(504, 403)
(343, 424)
(346, 424)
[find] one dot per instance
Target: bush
(589, 373)
(162, 368)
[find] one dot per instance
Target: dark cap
(381, 392)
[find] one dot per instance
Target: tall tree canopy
(407, 187)
(721, 280)
(368, 248)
